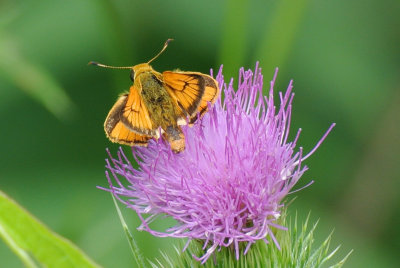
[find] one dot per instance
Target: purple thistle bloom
(227, 187)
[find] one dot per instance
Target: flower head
(228, 186)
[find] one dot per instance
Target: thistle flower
(227, 188)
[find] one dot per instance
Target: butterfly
(158, 104)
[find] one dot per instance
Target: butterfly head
(139, 69)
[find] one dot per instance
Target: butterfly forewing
(192, 92)
(187, 90)
(135, 115)
(117, 131)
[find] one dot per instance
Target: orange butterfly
(158, 103)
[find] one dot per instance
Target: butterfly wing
(135, 115)
(118, 131)
(211, 92)
(191, 92)
(122, 135)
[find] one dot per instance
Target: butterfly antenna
(107, 66)
(162, 50)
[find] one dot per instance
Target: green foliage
(33, 80)
(34, 243)
(278, 37)
(234, 36)
(132, 243)
(297, 251)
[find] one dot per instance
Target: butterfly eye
(132, 75)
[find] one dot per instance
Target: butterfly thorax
(157, 100)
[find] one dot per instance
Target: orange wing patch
(117, 131)
(191, 91)
(135, 115)
(121, 134)
(186, 88)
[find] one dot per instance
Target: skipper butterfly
(158, 104)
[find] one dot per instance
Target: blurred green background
(344, 59)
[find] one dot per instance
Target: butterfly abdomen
(175, 137)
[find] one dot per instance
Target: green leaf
(33, 242)
(132, 243)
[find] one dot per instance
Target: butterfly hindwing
(121, 134)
